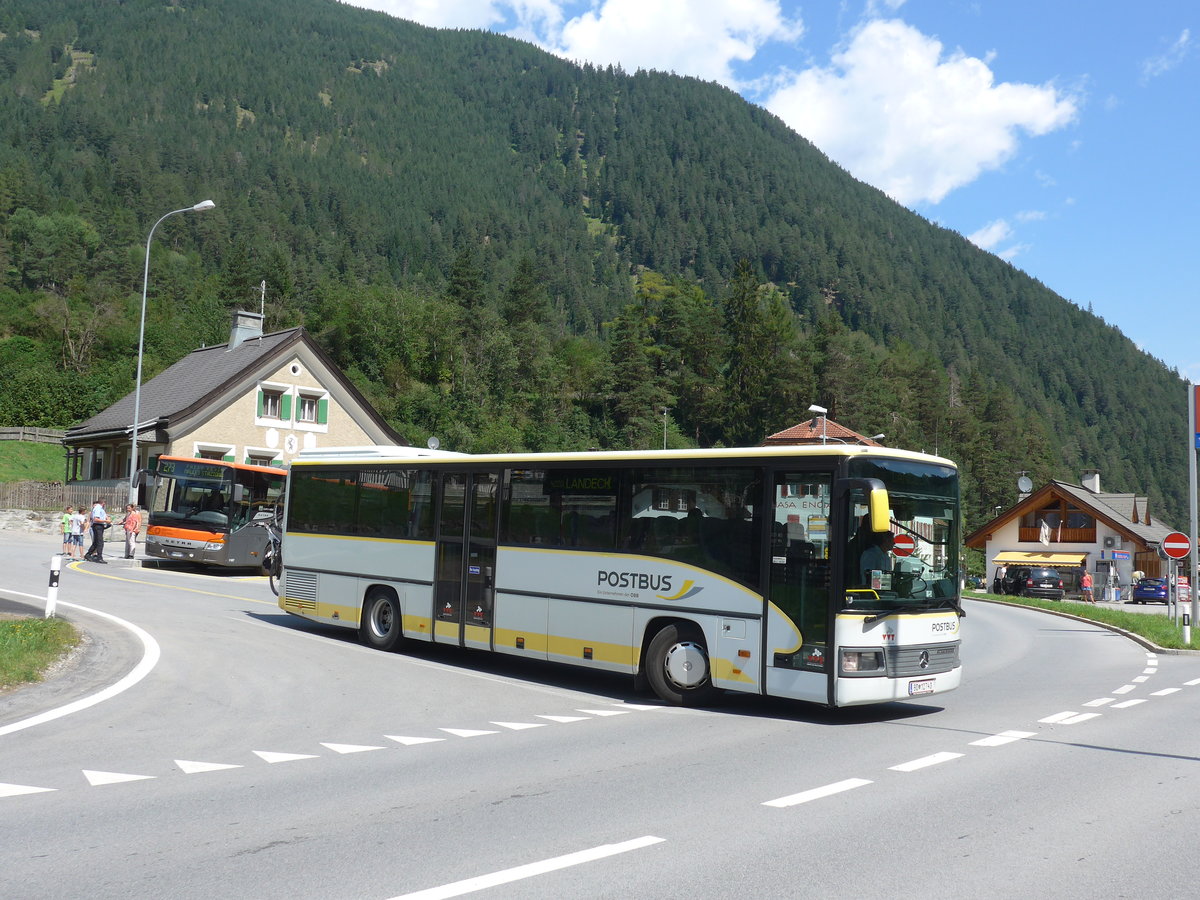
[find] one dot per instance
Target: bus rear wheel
(380, 626)
(677, 666)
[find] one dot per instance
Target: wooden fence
(56, 495)
(34, 435)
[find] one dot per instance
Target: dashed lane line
(934, 759)
(818, 793)
(530, 870)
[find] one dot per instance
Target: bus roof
(383, 454)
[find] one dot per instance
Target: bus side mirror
(239, 493)
(141, 476)
(879, 507)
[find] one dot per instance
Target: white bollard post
(52, 590)
(1187, 629)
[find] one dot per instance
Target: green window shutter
(260, 404)
(285, 407)
(323, 411)
(228, 457)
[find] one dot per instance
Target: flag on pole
(1044, 533)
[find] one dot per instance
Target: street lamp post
(137, 389)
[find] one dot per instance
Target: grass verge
(30, 461)
(1157, 629)
(30, 646)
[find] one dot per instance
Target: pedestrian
(66, 530)
(100, 523)
(78, 527)
(132, 524)
(1085, 586)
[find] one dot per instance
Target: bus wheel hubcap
(686, 665)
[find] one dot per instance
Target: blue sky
(1061, 135)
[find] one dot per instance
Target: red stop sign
(904, 545)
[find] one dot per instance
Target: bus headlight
(213, 545)
(861, 662)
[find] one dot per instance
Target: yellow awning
(1016, 558)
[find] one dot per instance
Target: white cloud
(991, 234)
(703, 38)
(898, 114)
(1031, 215)
(440, 14)
(1169, 58)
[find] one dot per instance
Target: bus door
(466, 559)
(798, 629)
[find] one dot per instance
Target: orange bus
(206, 510)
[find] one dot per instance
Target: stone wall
(33, 521)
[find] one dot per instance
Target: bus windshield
(192, 493)
(210, 496)
(913, 565)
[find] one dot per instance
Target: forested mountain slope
(510, 250)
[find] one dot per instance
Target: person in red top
(132, 524)
(1085, 586)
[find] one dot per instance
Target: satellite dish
(1024, 485)
(433, 443)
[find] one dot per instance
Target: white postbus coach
(821, 573)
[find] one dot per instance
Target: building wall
(239, 430)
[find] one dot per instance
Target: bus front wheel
(677, 666)
(380, 625)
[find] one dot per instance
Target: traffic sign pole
(1193, 443)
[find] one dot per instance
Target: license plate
(175, 554)
(920, 687)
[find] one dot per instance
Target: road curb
(1136, 638)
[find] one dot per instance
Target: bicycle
(272, 562)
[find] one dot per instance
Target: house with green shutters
(260, 398)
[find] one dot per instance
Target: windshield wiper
(941, 603)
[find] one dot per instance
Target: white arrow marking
(268, 756)
(188, 767)
(98, 778)
(411, 741)
(16, 790)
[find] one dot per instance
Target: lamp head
(819, 410)
(203, 205)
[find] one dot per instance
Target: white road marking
(1082, 717)
(191, 768)
(411, 741)
(1150, 671)
(1165, 691)
(604, 712)
(1004, 737)
(1058, 717)
(562, 720)
(97, 778)
(1103, 701)
(1140, 679)
(1128, 703)
(150, 657)
(349, 748)
(520, 726)
(517, 873)
(16, 790)
(271, 757)
(1125, 689)
(1192, 683)
(818, 793)
(925, 762)
(466, 732)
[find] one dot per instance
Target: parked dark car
(1034, 582)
